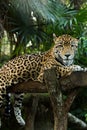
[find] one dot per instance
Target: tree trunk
(31, 113)
(60, 123)
(53, 87)
(60, 115)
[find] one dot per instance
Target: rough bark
(53, 87)
(75, 80)
(31, 113)
(60, 107)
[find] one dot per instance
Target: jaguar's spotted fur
(31, 67)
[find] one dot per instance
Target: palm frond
(45, 11)
(81, 57)
(82, 14)
(62, 18)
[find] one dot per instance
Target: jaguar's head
(64, 49)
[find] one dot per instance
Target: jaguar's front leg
(78, 68)
(67, 70)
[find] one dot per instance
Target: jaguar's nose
(67, 55)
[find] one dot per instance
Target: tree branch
(75, 80)
(69, 100)
(73, 119)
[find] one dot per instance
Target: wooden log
(28, 87)
(53, 87)
(75, 80)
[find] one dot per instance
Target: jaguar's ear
(75, 42)
(54, 37)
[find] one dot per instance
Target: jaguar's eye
(72, 45)
(60, 45)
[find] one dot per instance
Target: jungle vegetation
(28, 27)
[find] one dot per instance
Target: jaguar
(31, 67)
